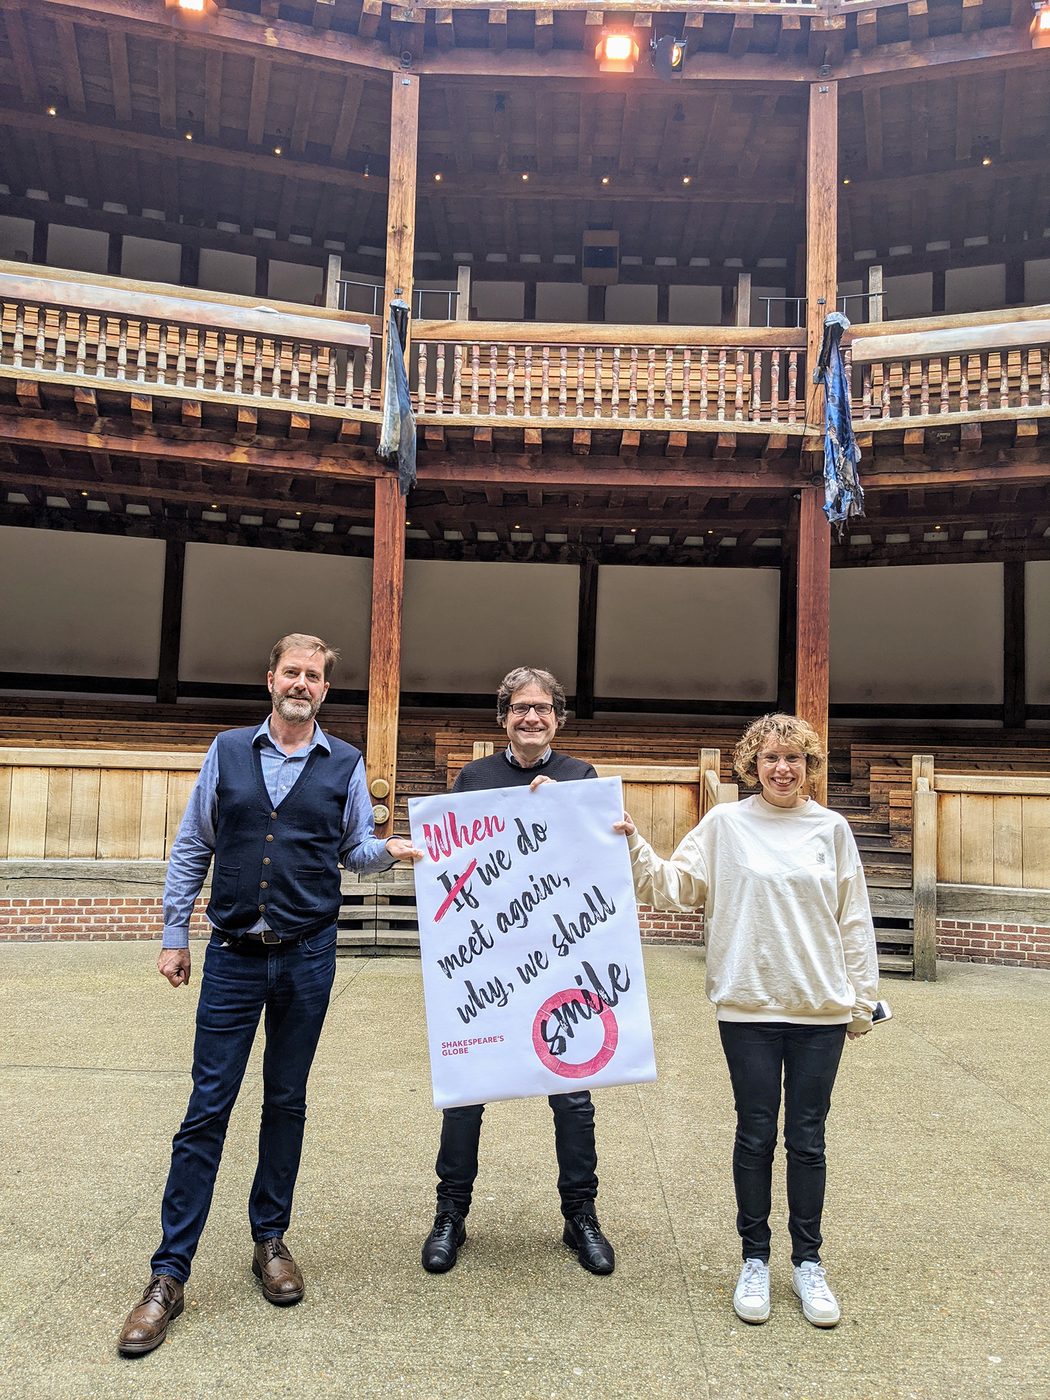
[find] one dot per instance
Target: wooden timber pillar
(388, 559)
(813, 572)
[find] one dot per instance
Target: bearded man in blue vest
(278, 808)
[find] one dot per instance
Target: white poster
(528, 928)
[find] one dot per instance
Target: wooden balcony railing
(142, 337)
(989, 363)
(616, 375)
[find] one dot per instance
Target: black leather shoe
(442, 1244)
(146, 1325)
(583, 1234)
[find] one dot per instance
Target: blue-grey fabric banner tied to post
(397, 440)
(843, 494)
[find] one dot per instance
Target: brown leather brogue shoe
(277, 1271)
(147, 1322)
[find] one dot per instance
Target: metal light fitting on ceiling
(617, 51)
(1040, 27)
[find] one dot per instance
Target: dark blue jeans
(292, 985)
(457, 1162)
(759, 1055)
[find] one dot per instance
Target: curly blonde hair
(784, 729)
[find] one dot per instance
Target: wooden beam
(171, 623)
(1014, 655)
(384, 668)
(813, 605)
(586, 638)
(401, 195)
(821, 228)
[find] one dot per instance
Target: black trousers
(759, 1055)
(457, 1161)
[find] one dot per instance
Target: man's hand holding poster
(532, 963)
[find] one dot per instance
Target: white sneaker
(818, 1301)
(751, 1297)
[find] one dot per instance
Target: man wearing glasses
(530, 705)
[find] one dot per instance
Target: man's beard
(296, 709)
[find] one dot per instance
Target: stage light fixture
(191, 11)
(1040, 28)
(667, 55)
(617, 51)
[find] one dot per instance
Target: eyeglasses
(520, 710)
(793, 759)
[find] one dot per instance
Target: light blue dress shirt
(359, 847)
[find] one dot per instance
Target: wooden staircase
(884, 842)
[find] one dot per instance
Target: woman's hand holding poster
(532, 961)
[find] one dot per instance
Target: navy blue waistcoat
(278, 863)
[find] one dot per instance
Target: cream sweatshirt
(788, 925)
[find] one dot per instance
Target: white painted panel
(926, 633)
(561, 301)
(467, 624)
(295, 282)
(1037, 631)
(16, 238)
(686, 634)
(81, 249)
(80, 604)
(237, 602)
(1037, 281)
(974, 288)
(498, 301)
(630, 306)
(694, 306)
(227, 272)
(908, 294)
(150, 260)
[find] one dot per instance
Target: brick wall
(41, 919)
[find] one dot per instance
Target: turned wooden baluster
(721, 385)
(632, 386)
(687, 372)
(439, 378)
(705, 387)
(102, 348)
(1004, 379)
(1025, 383)
(885, 406)
(528, 381)
(493, 377)
(220, 362)
(598, 381)
(457, 378)
(756, 385)
(545, 382)
(122, 348)
(792, 385)
(650, 383)
(18, 342)
(40, 346)
(60, 341)
(774, 388)
(614, 395)
(512, 377)
(563, 381)
(668, 381)
(945, 378)
(311, 383)
(199, 368)
(865, 399)
(180, 360)
(331, 387)
(82, 322)
(964, 383)
(142, 359)
(924, 386)
(580, 386)
(162, 353)
(1044, 378)
(738, 395)
(983, 359)
(421, 379)
(475, 376)
(906, 388)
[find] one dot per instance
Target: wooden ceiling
(188, 123)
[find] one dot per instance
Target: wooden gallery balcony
(74, 342)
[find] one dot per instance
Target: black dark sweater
(496, 772)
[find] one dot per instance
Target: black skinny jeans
(457, 1161)
(759, 1055)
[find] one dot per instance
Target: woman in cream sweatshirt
(791, 968)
